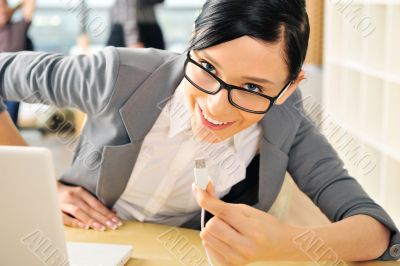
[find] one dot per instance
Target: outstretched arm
(82, 82)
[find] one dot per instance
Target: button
(395, 251)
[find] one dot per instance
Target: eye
(252, 87)
(208, 66)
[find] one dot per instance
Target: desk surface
(156, 245)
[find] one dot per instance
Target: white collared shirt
(159, 189)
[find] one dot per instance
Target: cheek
(192, 94)
(249, 119)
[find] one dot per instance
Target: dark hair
(268, 20)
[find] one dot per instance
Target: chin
(202, 133)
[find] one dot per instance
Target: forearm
(28, 9)
(17, 7)
(9, 134)
(357, 238)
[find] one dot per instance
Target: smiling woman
(231, 99)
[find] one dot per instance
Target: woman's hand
(239, 234)
(81, 209)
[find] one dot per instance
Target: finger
(249, 211)
(79, 214)
(230, 213)
(224, 232)
(230, 254)
(215, 255)
(72, 222)
(97, 216)
(210, 189)
(209, 202)
(99, 207)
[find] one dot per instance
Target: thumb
(208, 200)
(210, 189)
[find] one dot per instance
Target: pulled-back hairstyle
(268, 20)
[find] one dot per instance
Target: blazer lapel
(143, 108)
(277, 127)
(138, 115)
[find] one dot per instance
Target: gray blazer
(123, 92)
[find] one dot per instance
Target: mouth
(211, 123)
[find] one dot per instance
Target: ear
(291, 88)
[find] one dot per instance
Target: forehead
(249, 56)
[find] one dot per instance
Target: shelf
(373, 28)
(364, 69)
(372, 108)
(336, 18)
(366, 138)
(332, 94)
(393, 131)
(353, 40)
(394, 42)
(351, 98)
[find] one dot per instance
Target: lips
(212, 125)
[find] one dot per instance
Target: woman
(14, 36)
(149, 29)
(134, 25)
(145, 105)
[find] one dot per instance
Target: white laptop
(31, 229)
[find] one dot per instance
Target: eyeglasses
(243, 99)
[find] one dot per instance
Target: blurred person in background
(83, 44)
(134, 24)
(14, 36)
(149, 30)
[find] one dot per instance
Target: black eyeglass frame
(230, 87)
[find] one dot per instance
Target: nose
(218, 104)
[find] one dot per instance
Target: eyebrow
(254, 79)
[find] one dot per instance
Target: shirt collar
(179, 113)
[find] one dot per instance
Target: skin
(136, 45)
(9, 134)
(79, 208)
(6, 12)
(239, 234)
(256, 59)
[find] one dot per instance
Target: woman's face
(243, 62)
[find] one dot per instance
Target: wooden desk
(159, 245)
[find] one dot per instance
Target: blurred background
(56, 26)
(352, 90)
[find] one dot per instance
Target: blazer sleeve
(85, 82)
(319, 172)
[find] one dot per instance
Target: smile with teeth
(215, 122)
